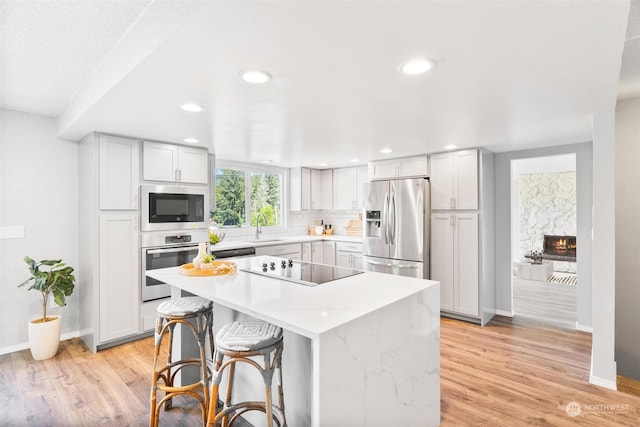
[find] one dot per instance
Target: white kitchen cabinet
(316, 252)
(326, 189)
(348, 186)
(410, 167)
(462, 230)
(109, 256)
(329, 253)
(455, 261)
(288, 250)
(119, 164)
(119, 265)
(306, 251)
(454, 180)
(310, 189)
(174, 163)
(349, 255)
(300, 189)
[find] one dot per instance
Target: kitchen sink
(264, 240)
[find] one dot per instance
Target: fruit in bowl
(216, 238)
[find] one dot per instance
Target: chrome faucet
(264, 222)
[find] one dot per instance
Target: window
(245, 191)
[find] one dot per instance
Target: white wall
(627, 329)
(603, 366)
(38, 190)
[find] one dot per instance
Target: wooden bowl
(215, 268)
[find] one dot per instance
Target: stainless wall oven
(167, 207)
(162, 251)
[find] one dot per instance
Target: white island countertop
(306, 310)
(362, 350)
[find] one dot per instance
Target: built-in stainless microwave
(173, 208)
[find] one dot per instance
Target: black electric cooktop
(301, 272)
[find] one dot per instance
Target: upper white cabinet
(348, 187)
(409, 167)
(326, 188)
(454, 180)
(300, 189)
(310, 189)
(321, 189)
(119, 165)
(174, 163)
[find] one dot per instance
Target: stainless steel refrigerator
(396, 229)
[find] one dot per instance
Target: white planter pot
(44, 338)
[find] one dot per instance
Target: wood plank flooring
(513, 372)
(548, 302)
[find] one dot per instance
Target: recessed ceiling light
(386, 151)
(266, 161)
(355, 160)
(450, 147)
(255, 76)
(192, 108)
(417, 66)
(323, 164)
(191, 140)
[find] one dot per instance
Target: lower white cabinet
(455, 261)
(349, 255)
(289, 250)
(119, 266)
(306, 251)
(329, 253)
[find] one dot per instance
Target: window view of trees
(243, 193)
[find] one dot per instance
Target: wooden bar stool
(196, 314)
(239, 342)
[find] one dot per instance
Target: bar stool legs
(238, 342)
(171, 313)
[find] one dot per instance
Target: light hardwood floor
(513, 372)
(548, 302)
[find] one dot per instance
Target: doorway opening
(544, 247)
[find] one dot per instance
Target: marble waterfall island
(362, 350)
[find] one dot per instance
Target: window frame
(249, 168)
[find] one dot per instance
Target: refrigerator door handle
(392, 237)
(385, 264)
(385, 214)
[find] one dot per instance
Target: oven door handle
(170, 250)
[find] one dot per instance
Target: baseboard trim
(603, 382)
(25, 345)
(505, 313)
(584, 328)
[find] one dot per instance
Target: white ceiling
(510, 75)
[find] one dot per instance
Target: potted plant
(48, 277)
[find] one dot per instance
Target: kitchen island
(363, 350)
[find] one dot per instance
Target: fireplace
(560, 247)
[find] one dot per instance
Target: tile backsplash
(298, 224)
